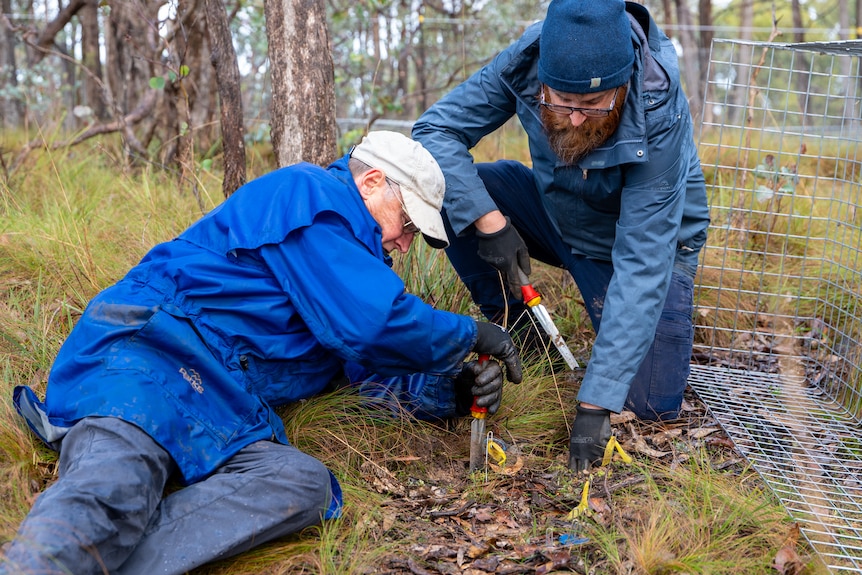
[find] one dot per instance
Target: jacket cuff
(603, 392)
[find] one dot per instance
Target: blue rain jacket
(638, 201)
(260, 303)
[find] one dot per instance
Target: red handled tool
(477, 430)
(534, 301)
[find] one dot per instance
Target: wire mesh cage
(778, 303)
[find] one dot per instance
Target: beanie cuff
(588, 86)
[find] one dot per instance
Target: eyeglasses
(408, 227)
(588, 112)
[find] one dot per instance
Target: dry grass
(71, 225)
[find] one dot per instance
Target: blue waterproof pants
(106, 513)
(656, 391)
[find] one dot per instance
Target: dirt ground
(518, 518)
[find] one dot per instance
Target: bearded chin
(572, 143)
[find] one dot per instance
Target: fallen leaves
(518, 521)
(787, 560)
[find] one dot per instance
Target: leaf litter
(520, 521)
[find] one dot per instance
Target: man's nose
(577, 118)
(403, 243)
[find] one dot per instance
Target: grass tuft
(692, 519)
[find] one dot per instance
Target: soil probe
(477, 430)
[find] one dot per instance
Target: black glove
(506, 251)
(493, 340)
(591, 432)
(486, 383)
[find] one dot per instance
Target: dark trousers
(106, 514)
(656, 391)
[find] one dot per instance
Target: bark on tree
(690, 61)
(846, 63)
(45, 40)
(303, 80)
(230, 98)
(743, 70)
(857, 12)
(130, 42)
(421, 81)
(801, 61)
(11, 109)
(92, 96)
(667, 8)
(704, 16)
(180, 93)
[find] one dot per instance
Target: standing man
(614, 194)
(278, 293)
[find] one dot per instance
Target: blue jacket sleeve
(357, 307)
(651, 209)
(456, 123)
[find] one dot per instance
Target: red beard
(572, 143)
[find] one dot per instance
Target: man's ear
(371, 181)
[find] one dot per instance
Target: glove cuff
(593, 410)
(496, 234)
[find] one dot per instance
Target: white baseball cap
(414, 169)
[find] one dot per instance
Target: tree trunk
(691, 67)
(421, 79)
(403, 75)
(858, 20)
(846, 64)
(203, 100)
(230, 98)
(92, 80)
(704, 16)
(667, 8)
(303, 82)
(130, 42)
(743, 77)
(801, 63)
(11, 108)
(43, 43)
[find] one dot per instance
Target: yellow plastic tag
(583, 505)
(496, 453)
(614, 445)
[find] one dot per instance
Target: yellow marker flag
(583, 505)
(614, 445)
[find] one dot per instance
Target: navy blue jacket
(638, 201)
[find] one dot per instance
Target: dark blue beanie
(586, 46)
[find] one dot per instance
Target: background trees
(156, 71)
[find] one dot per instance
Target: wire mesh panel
(779, 294)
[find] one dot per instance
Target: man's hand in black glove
(591, 432)
(493, 340)
(506, 251)
(486, 383)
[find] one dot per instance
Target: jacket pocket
(168, 351)
(283, 381)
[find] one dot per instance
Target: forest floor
(524, 516)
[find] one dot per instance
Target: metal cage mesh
(778, 301)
